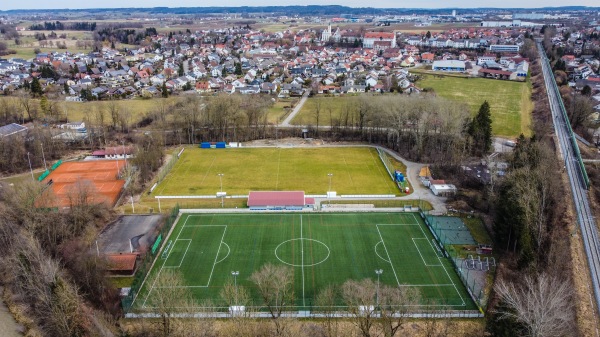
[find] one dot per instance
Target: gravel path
(297, 108)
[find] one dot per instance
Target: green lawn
(321, 249)
(355, 171)
(509, 101)
(132, 109)
(280, 109)
(331, 108)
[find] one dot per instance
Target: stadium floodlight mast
(330, 175)
(221, 181)
(30, 169)
(235, 275)
(378, 272)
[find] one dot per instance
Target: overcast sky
(45, 4)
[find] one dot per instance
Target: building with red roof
(278, 200)
(371, 37)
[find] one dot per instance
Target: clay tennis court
(70, 179)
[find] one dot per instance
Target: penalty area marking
(377, 253)
(228, 251)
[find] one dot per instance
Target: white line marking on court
(163, 264)
(278, 165)
(226, 256)
(216, 257)
(190, 226)
(377, 253)
(397, 224)
(388, 254)
(414, 217)
(302, 262)
(419, 251)
(186, 250)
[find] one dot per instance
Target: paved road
(297, 108)
(577, 181)
(413, 169)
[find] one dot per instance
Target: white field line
(302, 261)
(419, 251)
(278, 165)
(397, 224)
(388, 254)
(186, 250)
(414, 217)
(163, 264)
(449, 278)
(216, 257)
(446, 271)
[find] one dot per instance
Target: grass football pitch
(356, 170)
(321, 249)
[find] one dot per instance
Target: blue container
(205, 145)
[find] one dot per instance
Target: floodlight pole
(235, 275)
(30, 169)
(221, 181)
(330, 175)
(378, 272)
(44, 157)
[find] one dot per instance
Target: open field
(509, 101)
(321, 249)
(332, 108)
(278, 111)
(355, 171)
(133, 109)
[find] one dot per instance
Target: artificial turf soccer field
(321, 249)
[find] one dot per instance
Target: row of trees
(421, 127)
(47, 266)
(533, 295)
(274, 286)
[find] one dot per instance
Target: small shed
(122, 264)
(443, 190)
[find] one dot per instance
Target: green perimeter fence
(473, 281)
(145, 265)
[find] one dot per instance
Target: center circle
(305, 248)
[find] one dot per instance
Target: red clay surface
(70, 179)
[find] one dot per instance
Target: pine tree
(480, 130)
(36, 87)
(165, 92)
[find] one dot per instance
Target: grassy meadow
(510, 102)
(355, 171)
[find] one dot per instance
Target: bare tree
(395, 305)
(317, 112)
(275, 286)
(173, 301)
(543, 304)
(359, 296)
(326, 302)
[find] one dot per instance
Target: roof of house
(121, 262)
(11, 129)
(276, 198)
(449, 64)
(379, 35)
